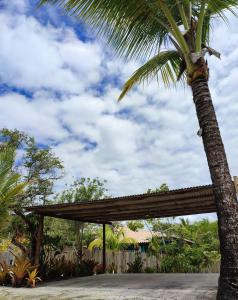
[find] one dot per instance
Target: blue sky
(60, 84)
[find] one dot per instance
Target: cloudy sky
(60, 84)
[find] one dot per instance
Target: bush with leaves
(19, 270)
(32, 278)
(136, 266)
(150, 270)
(86, 268)
(4, 273)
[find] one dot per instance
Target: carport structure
(187, 201)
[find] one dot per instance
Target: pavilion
(180, 202)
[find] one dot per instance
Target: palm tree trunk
(224, 190)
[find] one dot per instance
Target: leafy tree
(41, 168)
(163, 188)
(10, 185)
(140, 224)
(186, 247)
(115, 239)
(84, 189)
(135, 225)
(177, 33)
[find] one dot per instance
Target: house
(143, 238)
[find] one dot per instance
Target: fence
(120, 258)
(7, 257)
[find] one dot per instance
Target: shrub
(86, 268)
(150, 270)
(112, 268)
(32, 278)
(4, 275)
(19, 271)
(136, 266)
(98, 269)
(58, 268)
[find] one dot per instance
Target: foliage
(163, 188)
(115, 239)
(140, 224)
(41, 168)
(86, 268)
(83, 189)
(150, 270)
(135, 225)
(98, 269)
(136, 266)
(55, 266)
(112, 268)
(176, 33)
(19, 271)
(32, 278)
(186, 247)
(3, 272)
(38, 164)
(4, 245)
(10, 187)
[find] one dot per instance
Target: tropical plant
(57, 266)
(155, 249)
(115, 240)
(150, 270)
(19, 271)
(185, 246)
(41, 168)
(136, 266)
(86, 267)
(32, 278)
(3, 272)
(177, 33)
(98, 269)
(135, 225)
(10, 187)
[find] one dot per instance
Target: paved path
(122, 287)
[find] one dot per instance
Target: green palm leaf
(115, 240)
(10, 187)
(134, 28)
(167, 63)
(139, 29)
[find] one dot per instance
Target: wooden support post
(236, 183)
(104, 249)
(39, 237)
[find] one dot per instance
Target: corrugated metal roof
(177, 202)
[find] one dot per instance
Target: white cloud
(33, 56)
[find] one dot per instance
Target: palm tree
(115, 241)
(177, 33)
(10, 187)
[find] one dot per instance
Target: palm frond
(10, 187)
(166, 62)
(220, 7)
(97, 243)
(135, 28)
